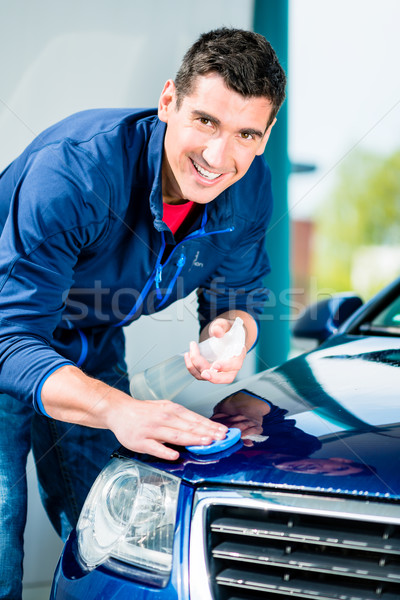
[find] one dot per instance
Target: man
(108, 215)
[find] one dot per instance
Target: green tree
(363, 210)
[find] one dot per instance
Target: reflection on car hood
(334, 425)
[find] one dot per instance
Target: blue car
(305, 503)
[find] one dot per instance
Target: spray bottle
(168, 378)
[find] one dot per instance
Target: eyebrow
(203, 115)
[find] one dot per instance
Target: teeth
(205, 173)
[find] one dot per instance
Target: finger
(178, 437)
(223, 420)
(219, 327)
(177, 416)
(253, 429)
(219, 415)
(195, 363)
(247, 443)
(190, 366)
(198, 361)
(244, 426)
(159, 450)
(239, 418)
(218, 377)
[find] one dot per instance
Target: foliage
(362, 211)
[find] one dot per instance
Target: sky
(344, 89)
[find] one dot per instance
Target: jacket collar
(154, 161)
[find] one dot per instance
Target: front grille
(257, 553)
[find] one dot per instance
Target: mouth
(204, 173)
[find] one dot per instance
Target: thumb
(219, 327)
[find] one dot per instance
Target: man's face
(211, 140)
(324, 466)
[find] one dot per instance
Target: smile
(204, 173)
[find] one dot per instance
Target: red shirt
(175, 214)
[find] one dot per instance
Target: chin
(206, 194)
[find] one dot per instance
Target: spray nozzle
(229, 345)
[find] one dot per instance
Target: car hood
(336, 425)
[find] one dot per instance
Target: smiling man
(108, 215)
(212, 138)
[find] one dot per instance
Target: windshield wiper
(371, 329)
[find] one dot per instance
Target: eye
(204, 121)
(245, 135)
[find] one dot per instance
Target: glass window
(387, 321)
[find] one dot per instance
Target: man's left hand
(223, 371)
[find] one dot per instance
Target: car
(305, 504)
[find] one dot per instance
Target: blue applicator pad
(233, 435)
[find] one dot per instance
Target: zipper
(197, 234)
(180, 264)
(158, 281)
(146, 289)
(156, 275)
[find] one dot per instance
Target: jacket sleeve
(238, 283)
(59, 206)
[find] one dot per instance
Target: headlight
(129, 515)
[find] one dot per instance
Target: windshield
(387, 321)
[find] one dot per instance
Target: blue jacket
(82, 249)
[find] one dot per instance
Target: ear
(265, 139)
(167, 101)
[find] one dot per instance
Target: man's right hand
(140, 425)
(146, 425)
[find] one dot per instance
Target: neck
(173, 201)
(170, 189)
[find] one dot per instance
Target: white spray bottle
(168, 378)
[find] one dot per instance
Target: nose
(217, 153)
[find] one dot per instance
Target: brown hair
(245, 60)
